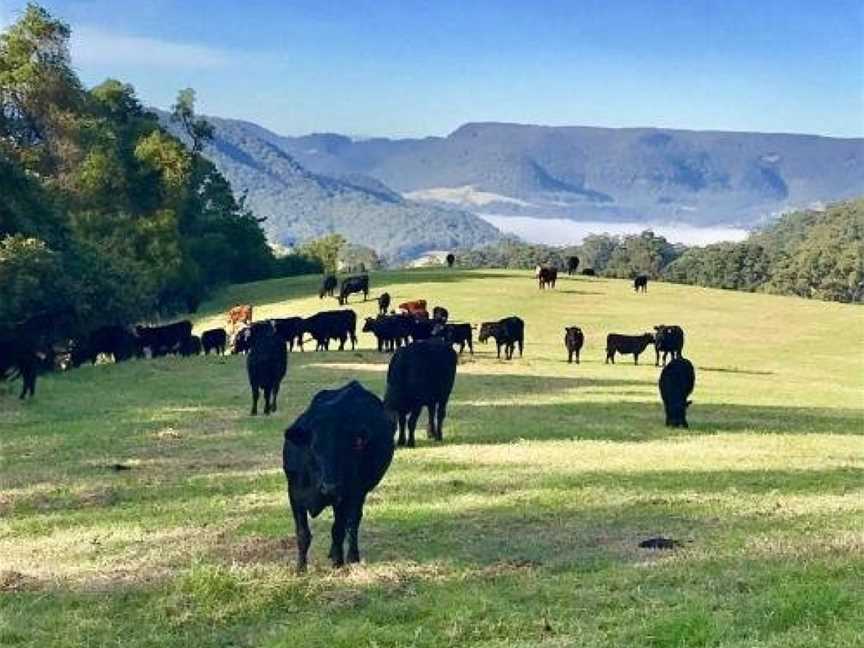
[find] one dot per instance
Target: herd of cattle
(341, 446)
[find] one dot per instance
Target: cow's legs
(304, 535)
(337, 534)
(521, 343)
(273, 400)
(498, 344)
(635, 358)
(355, 515)
(412, 425)
(401, 440)
(342, 342)
(268, 391)
(255, 395)
(430, 426)
(442, 413)
(569, 355)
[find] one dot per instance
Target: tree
(198, 129)
(325, 249)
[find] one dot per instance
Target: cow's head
(648, 338)
(369, 325)
(487, 330)
(329, 454)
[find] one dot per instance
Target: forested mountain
(300, 205)
(695, 177)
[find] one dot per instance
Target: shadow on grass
(735, 370)
(636, 421)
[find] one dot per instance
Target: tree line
(104, 216)
(813, 254)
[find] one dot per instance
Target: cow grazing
(507, 332)
(420, 375)
(334, 454)
(676, 384)
(266, 364)
(589, 272)
(668, 340)
(290, 329)
(190, 346)
(415, 308)
(440, 314)
(573, 340)
(546, 277)
(572, 265)
(640, 283)
(241, 314)
(626, 345)
(332, 325)
(383, 303)
(460, 334)
(115, 341)
(351, 285)
(391, 331)
(214, 340)
(162, 340)
(328, 286)
(450, 259)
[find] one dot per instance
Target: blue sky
(412, 68)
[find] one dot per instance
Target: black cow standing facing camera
(676, 384)
(640, 283)
(333, 455)
(266, 364)
(573, 340)
(451, 259)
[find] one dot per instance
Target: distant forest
(814, 254)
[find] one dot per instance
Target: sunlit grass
(520, 530)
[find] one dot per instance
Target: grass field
(521, 529)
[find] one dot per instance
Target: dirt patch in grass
(255, 550)
(13, 581)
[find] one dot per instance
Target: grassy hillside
(520, 530)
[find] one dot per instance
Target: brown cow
(241, 314)
(416, 308)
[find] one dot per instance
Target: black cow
(668, 340)
(328, 286)
(391, 331)
(266, 364)
(332, 325)
(507, 333)
(626, 345)
(573, 340)
(572, 265)
(117, 341)
(451, 259)
(383, 303)
(333, 455)
(421, 375)
(421, 329)
(243, 340)
(676, 384)
(589, 272)
(214, 340)
(162, 340)
(460, 334)
(289, 329)
(355, 284)
(19, 359)
(640, 283)
(440, 314)
(190, 346)
(546, 277)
